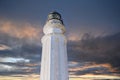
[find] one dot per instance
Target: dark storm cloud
(94, 70)
(105, 49)
(21, 67)
(20, 47)
(19, 42)
(24, 50)
(20, 39)
(101, 49)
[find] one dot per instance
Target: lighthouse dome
(54, 15)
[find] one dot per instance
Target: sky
(92, 31)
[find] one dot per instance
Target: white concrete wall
(54, 64)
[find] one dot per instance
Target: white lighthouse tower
(54, 64)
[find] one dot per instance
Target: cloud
(23, 60)
(13, 60)
(23, 38)
(21, 77)
(4, 67)
(18, 68)
(94, 77)
(99, 50)
(4, 47)
(21, 30)
(20, 48)
(86, 53)
(82, 68)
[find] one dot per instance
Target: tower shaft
(54, 52)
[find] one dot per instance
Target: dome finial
(54, 15)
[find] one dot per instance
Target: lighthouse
(54, 65)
